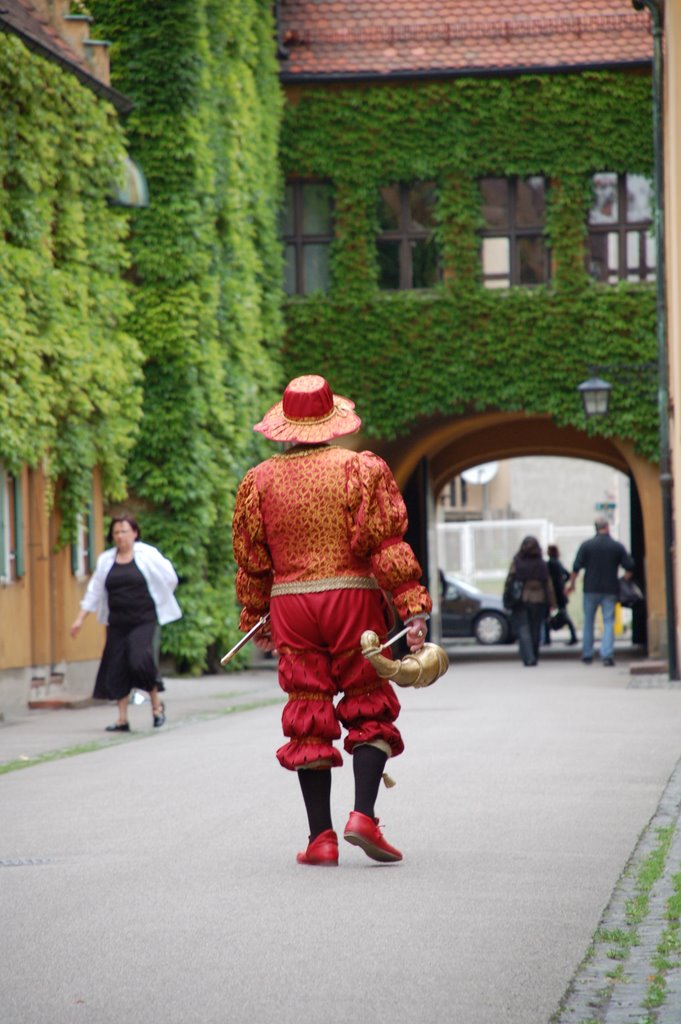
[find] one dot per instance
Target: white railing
(479, 550)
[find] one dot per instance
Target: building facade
(68, 399)
(469, 229)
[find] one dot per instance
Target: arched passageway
(438, 450)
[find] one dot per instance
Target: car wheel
(491, 628)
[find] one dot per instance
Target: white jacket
(157, 570)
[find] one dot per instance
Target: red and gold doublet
(318, 535)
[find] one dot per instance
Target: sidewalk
(631, 974)
(43, 734)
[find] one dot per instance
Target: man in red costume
(318, 538)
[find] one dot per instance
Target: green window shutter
(20, 564)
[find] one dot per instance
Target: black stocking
(315, 784)
(368, 764)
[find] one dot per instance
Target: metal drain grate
(23, 862)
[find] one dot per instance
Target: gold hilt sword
(253, 631)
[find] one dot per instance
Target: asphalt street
(154, 878)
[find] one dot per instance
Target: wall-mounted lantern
(595, 395)
(132, 191)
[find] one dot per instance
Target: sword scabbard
(253, 631)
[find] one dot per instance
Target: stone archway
(448, 447)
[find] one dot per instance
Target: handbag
(513, 594)
(629, 592)
(558, 620)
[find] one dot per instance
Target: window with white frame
(11, 528)
(83, 551)
(621, 246)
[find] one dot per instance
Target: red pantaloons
(317, 637)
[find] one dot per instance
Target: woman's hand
(416, 635)
(77, 624)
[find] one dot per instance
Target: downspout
(656, 10)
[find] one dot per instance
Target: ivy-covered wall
(69, 369)
(206, 280)
(461, 347)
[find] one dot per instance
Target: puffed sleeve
(377, 524)
(252, 556)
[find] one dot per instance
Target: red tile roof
(23, 19)
(347, 38)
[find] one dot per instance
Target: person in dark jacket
(601, 558)
(559, 577)
(529, 614)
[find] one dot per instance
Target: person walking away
(559, 577)
(601, 558)
(318, 537)
(529, 614)
(132, 592)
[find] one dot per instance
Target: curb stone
(594, 998)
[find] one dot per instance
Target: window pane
(389, 208)
(316, 268)
(495, 202)
(422, 206)
(613, 253)
(424, 263)
(633, 250)
(388, 264)
(317, 209)
(530, 203)
(604, 209)
(531, 260)
(496, 257)
(287, 214)
(598, 256)
(651, 254)
(639, 198)
(290, 280)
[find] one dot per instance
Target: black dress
(130, 656)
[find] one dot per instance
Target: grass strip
(668, 949)
(620, 941)
(88, 748)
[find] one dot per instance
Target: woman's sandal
(159, 717)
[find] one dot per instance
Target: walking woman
(131, 590)
(559, 577)
(535, 596)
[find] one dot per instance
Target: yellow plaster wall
(15, 611)
(90, 641)
(37, 610)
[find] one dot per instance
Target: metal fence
(481, 550)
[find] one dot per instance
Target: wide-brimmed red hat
(309, 412)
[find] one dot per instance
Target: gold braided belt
(319, 586)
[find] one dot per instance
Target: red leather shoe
(322, 850)
(365, 832)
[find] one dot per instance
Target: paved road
(155, 880)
